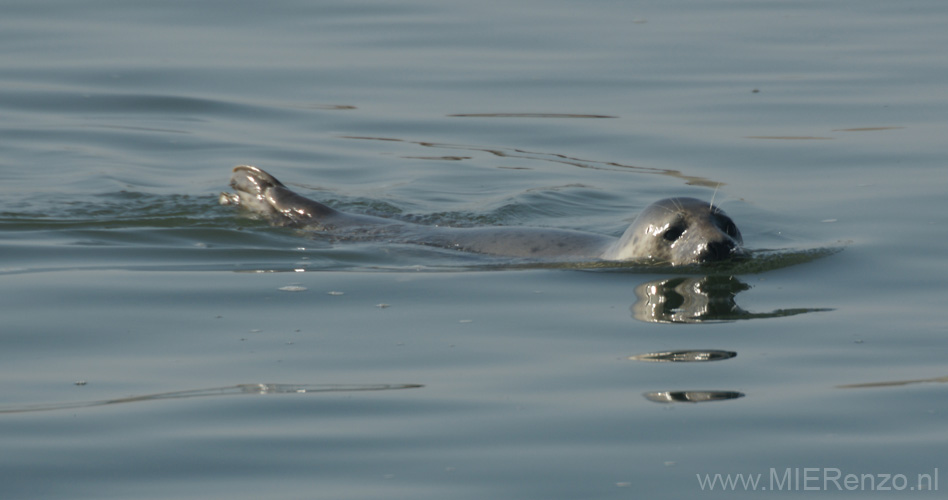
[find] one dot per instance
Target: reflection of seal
(698, 300)
(691, 396)
(673, 231)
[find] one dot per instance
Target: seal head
(679, 231)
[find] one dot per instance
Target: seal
(675, 231)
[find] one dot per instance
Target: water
(159, 345)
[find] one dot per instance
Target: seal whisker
(715, 193)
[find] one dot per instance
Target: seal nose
(717, 250)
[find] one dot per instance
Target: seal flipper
(260, 192)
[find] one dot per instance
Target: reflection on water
(688, 356)
(697, 300)
(527, 115)
(552, 157)
(685, 356)
(216, 391)
(895, 383)
(691, 396)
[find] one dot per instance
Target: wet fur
(677, 231)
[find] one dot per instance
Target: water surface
(159, 345)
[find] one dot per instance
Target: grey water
(156, 344)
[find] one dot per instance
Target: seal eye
(674, 232)
(730, 228)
